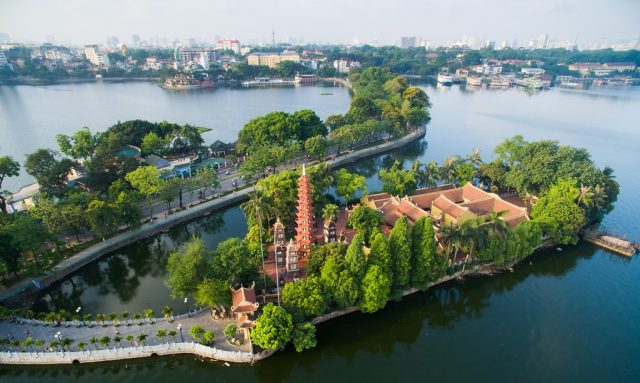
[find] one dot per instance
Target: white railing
(91, 356)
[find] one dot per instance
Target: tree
(50, 172)
(208, 338)
(397, 181)
(309, 125)
(161, 334)
(170, 190)
(212, 292)
(148, 314)
(141, 338)
(464, 172)
(153, 144)
(8, 168)
(330, 212)
(232, 262)
(74, 219)
(559, 214)
(400, 249)
(380, 254)
(304, 336)
(305, 295)
(362, 109)
(28, 235)
(364, 220)
(230, 330)
(423, 252)
(320, 254)
(376, 288)
(355, 260)
(206, 178)
(187, 267)
(81, 145)
(273, 328)
(282, 191)
(145, 179)
(105, 341)
(340, 285)
(102, 218)
(316, 147)
(167, 312)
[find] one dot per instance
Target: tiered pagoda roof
(304, 216)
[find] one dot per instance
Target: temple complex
(304, 218)
(243, 306)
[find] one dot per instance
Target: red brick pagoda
(305, 219)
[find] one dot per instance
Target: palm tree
(138, 318)
(62, 315)
(100, 318)
(161, 334)
(105, 341)
(81, 346)
(330, 212)
(257, 206)
(118, 340)
(142, 338)
(475, 157)
(28, 343)
(496, 222)
(599, 198)
(87, 318)
(585, 196)
(54, 345)
(113, 317)
(94, 341)
(130, 339)
(608, 172)
(125, 317)
(450, 234)
(66, 342)
(448, 170)
(148, 314)
(167, 312)
(39, 343)
(172, 334)
(16, 344)
(473, 235)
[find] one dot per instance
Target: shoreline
(125, 353)
(96, 251)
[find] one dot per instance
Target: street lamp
(187, 305)
(78, 312)
(180, 329)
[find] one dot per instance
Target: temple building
(330, 231)
(448, 205)
(244, 305)
(304, 218)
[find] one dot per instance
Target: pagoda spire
(304, 216)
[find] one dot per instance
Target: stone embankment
(98, 250)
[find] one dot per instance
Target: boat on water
(183, 81)
(474, 81)
(445, 79)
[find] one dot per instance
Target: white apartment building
(344, 66)
(3, 58)
(95, 56)
(229, 45)
(532, 71)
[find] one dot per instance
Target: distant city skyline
(80, 22)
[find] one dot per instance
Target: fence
(112, 354)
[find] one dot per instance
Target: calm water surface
(568, 315)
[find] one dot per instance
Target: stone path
(15, 330)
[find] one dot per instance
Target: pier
(612, 242)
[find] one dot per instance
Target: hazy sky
(87, 21)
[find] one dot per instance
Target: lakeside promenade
(162, 222)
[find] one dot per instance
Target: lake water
(564, 316)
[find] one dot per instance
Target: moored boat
(445, 79)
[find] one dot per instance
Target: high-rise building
(136, 40)
(95, 56)
(408, 42)
(3, 58)
(541, 43)
(344, 66)
(229, 45)
(195, 55)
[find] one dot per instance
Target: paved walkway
(15, 330)
(164, 222)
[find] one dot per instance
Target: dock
(612, 242)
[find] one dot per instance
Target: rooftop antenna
(273, 38)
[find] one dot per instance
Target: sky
(331, 21)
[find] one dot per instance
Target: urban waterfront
(564, 316)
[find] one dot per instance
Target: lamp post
(180, 329)
(187, 306)
(78, 312)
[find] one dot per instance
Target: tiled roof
(446, 205)
(244, 299)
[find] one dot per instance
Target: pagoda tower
(305, 219)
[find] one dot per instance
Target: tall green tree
(376, 289)
(400, 248)
(304, 336)
(365, 220)
(341, 286)
(50, 172)
(559, 214)
(355, 259)
(146, 180)
(212, 293)
(306, 295)
(81, 145)
(187, 267)
(423, 252)
(316, 147)
(232, 261)
(380, 254)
